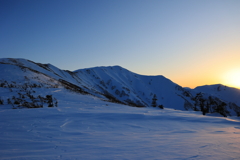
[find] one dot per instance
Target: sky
(191, 42)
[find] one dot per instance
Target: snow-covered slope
(84, 127)
(115, 84)
(223, 92)
(131, 88)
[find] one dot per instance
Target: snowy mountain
(223, 92)
(21, 79)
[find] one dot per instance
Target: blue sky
(190, 42)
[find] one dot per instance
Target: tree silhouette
(154, 101)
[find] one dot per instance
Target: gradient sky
(191, 42)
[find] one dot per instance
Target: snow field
(84, 127)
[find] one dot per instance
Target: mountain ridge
(119, 85)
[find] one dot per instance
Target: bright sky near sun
(191, 42)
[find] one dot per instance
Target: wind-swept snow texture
(84, 127)
(119, 85)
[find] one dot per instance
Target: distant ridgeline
(22, 80)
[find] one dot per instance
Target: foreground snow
(84, 127)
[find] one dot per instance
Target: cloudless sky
(191, 42)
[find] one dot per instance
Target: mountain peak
(119, 85)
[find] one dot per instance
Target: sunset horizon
(192, 43)
(120, 79)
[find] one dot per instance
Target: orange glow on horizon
(232, 78)
(228, 77)
(221, 69)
